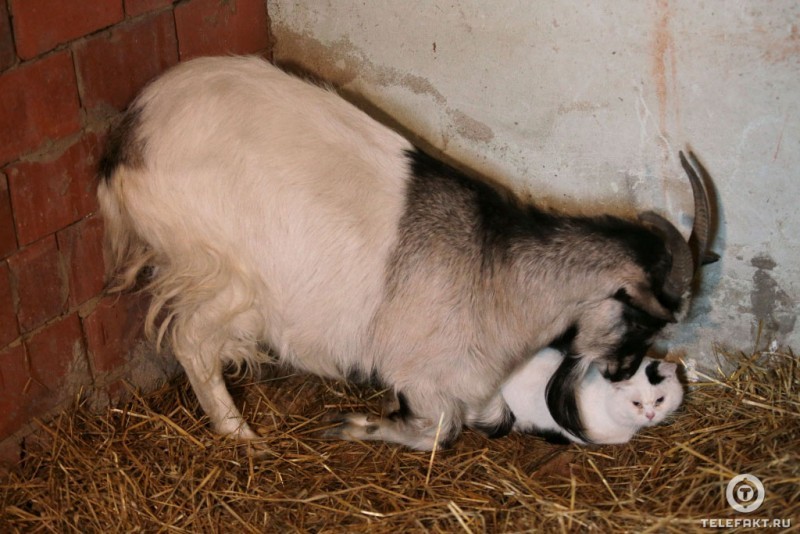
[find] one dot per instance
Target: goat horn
(682, 271)
(701, 228)
(686, 257)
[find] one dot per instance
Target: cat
(611, 412)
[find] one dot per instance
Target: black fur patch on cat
(562, 400)
(561, 391)
(550, 436)
(652, 373)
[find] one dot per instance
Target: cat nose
(650, 415)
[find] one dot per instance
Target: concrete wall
(586, 105)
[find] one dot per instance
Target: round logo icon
(745, 493)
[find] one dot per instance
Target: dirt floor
(152, 465)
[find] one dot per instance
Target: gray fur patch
(123, 146)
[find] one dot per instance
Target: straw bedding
(152, 465)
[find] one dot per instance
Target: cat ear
(668, 369)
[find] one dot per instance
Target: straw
(151, 464)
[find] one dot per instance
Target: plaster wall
(584, 106)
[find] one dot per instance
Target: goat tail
(201, 299)
(128, 256)
(125, 252)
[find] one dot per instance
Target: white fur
(270, 210)
(241, 201)
(606, 408)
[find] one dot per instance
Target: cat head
(648, 397)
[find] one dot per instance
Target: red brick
(57, 358)
(41, 25)
(8, 238)
(113, 66)
(38, 101)
(117, 390)
(81, 245)
(7, 55)
(41, 284)
(15, 385)
(8, 319)
(111, 330)
(9, 330)
(137, 7)
(10, 453)
(54, 371)
(52, 193)
(212, 27)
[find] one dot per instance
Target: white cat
(611, 412)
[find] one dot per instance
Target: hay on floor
(152, 465)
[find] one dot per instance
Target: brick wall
(67, 67)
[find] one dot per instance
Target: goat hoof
(352, 426)
(256, 450)
(334, 418)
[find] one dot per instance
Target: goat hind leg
(364, 427)
(403, 427)
(494, 419)
(206, 337)
(212, 394)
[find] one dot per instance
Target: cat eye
(637, 404)
(659, 400)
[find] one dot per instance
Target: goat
(268, 210)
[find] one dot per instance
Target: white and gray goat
(269, 211)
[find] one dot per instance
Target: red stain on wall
(664, 70)
(785, 48)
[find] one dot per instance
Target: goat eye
(659, 400)
(637, 404)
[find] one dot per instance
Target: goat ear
(641, 297)
(709, 257)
